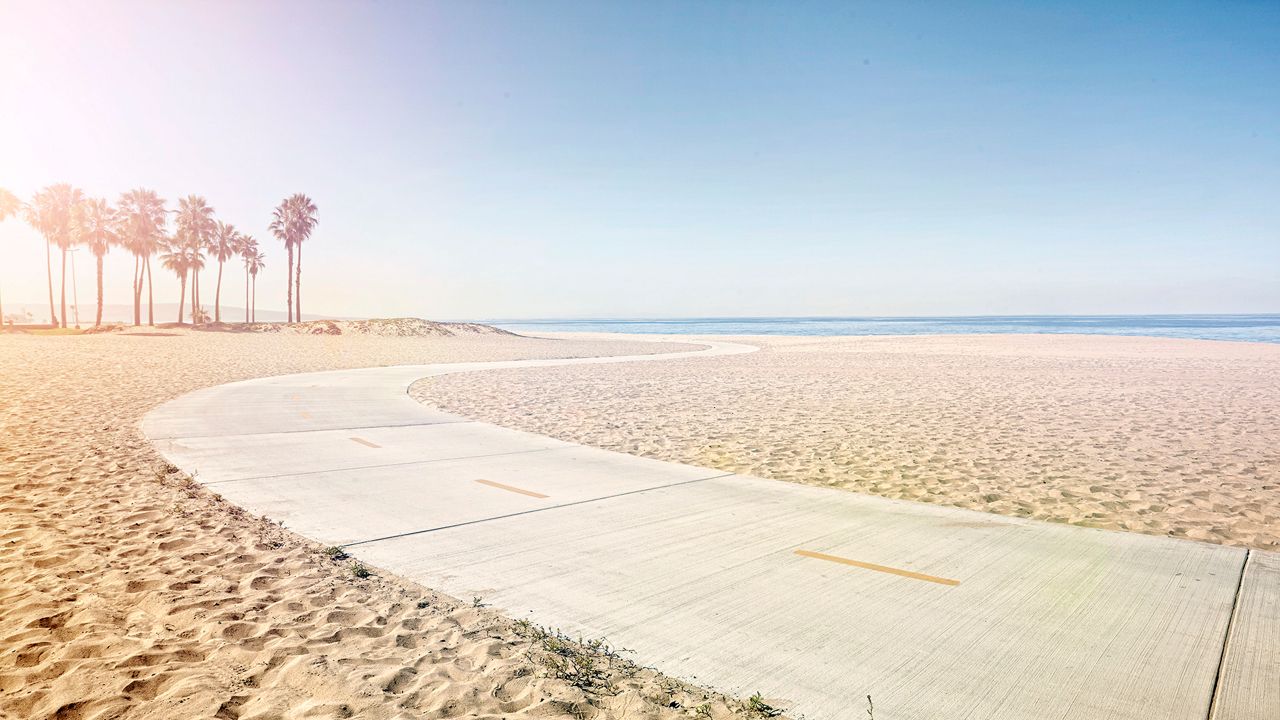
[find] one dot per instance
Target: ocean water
(1251, 328)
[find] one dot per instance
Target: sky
(477, 160)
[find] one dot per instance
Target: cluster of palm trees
(139, 223)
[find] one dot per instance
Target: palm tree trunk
(183, 298)
(137, 289)
(217, 296)
(253, 317)
(97, 322)
(151, 307)
(48, 266)
(297, 291)
(64, 287)
(246, 295)
(289, 276)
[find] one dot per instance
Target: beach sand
(127, 590)
(1160, 436)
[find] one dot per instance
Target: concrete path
(811, 596)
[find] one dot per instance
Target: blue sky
(585, 159)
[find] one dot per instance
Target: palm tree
(142, 231)
(195, 227)
(247, 248)
(292, 222)
(180, 259)
(280, 227)
(50, 213)
(68, 199)
(224, 244)
(94, 224)
(254, 261)
(40, 215)
(304, 221)
(9, 205)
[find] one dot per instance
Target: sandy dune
(1168, 437)
(128, 591)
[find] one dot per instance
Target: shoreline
(1252, 327)
(637, 336)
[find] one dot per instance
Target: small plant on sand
(592, 666)
(756, 704)
(871, 709)
(360, 570)
(668, 689)
(335, 553)
(424, 604)
(703, 710)
(189, 486)
(477, 601)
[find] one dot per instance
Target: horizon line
(705, 318)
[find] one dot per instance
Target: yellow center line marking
(508, 488)
(305, 415)
(877, 568)
(364, 442)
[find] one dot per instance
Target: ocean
(1250, 328)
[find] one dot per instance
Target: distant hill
(385, 327)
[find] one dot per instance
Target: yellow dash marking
(305, 415)
(508, 488)
(364, 442)
(877, 568)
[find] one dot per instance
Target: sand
(1160, 436)
(126, 590)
